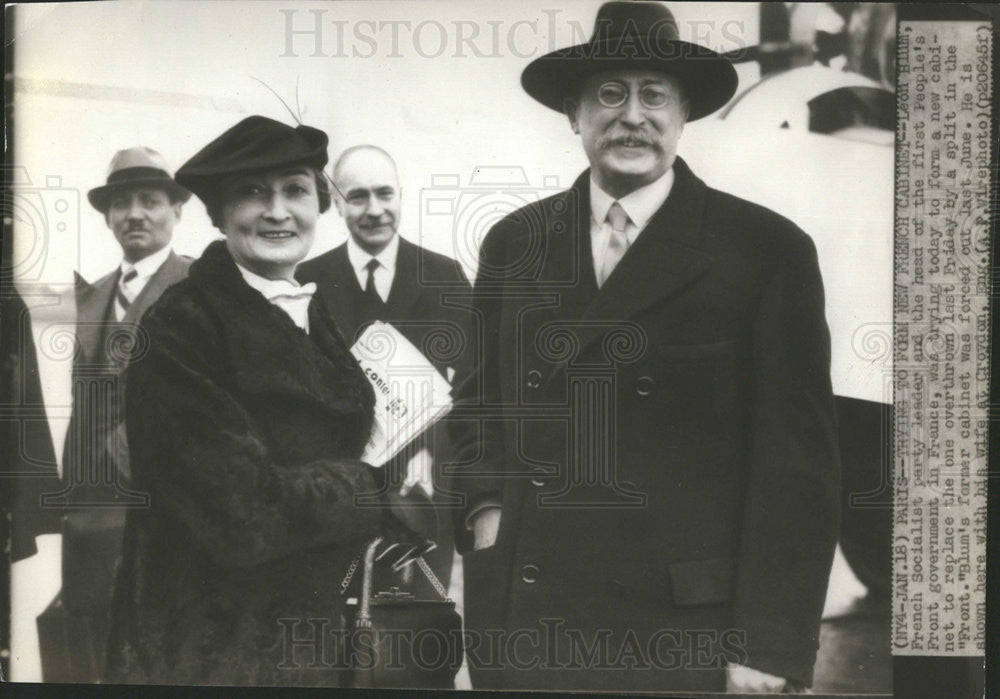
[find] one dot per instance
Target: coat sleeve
(792, 516)
(469, 359)
(206, 464)
(477, 439)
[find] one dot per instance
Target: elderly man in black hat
(652, 481)
(141, 204)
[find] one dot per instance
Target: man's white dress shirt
(384, 273)
(640, 206)
(144, 271)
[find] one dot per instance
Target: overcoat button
(529, 573)
(538, 482)
(644, 386)
(534, 378)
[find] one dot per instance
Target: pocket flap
(702, 582)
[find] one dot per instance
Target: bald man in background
(379, 276)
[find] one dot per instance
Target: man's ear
(571, 107)
(177, 207)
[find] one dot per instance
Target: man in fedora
(651, 474)
(141, 204)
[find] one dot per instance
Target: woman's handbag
(399, 641)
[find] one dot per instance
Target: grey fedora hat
(136, 167)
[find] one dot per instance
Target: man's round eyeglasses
(615, 94)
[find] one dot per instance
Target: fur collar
(268, 352)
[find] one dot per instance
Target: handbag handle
(364, 606)
(364, 620)
(432, 578)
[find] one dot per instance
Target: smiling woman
(263, 186)
(246, 421)
(269, 219)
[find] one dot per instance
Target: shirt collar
(640, 205)
(359, 258)
(272, 288)
(147, 266)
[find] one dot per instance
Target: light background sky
(441, 114)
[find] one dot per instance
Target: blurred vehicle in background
(814, 142)
(820, 100)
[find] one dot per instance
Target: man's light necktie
(617, 242)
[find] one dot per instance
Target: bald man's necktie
(372, 305)
(617, 242)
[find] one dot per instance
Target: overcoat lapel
(664, 259)
(322, 329)
(406, 285)
(170, 272)
(92, 304)
(339, 291)
(567, 267)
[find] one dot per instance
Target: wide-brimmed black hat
(636, 35)
(133, 168)
(253, 145)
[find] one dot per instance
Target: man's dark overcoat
(701, 367)
(246, 432)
